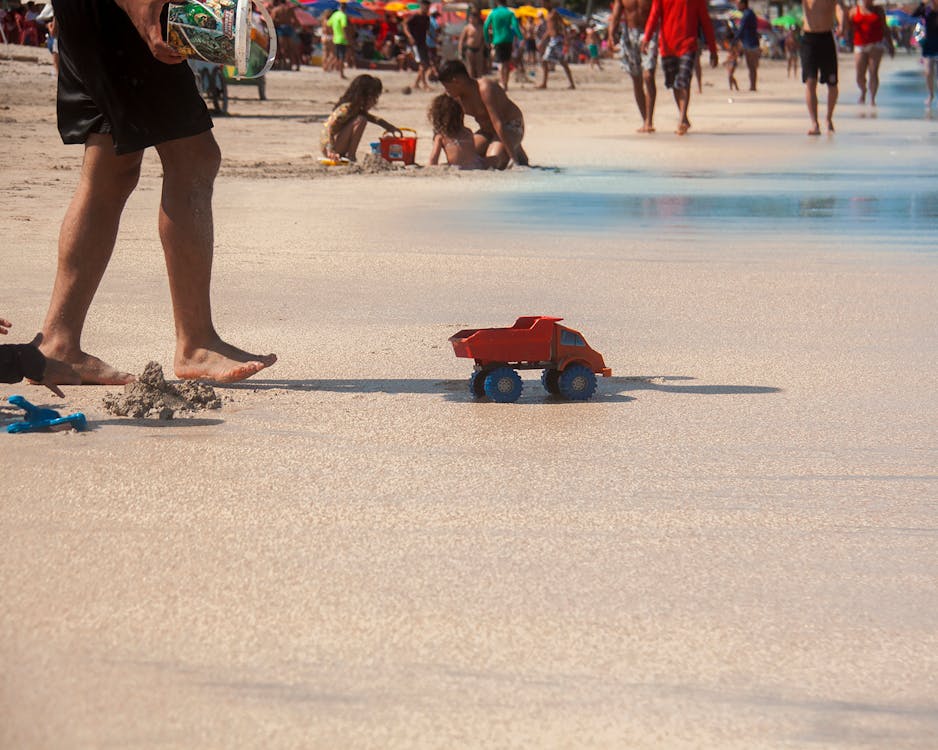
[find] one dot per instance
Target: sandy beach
(733, 545)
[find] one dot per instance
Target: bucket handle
(389, 134)
(243, 41)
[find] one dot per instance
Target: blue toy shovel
(37, 419)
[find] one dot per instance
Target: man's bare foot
(571, 86)
(683, 128)
(91, 370)
(830, 126)
(816, 130)
(646, 128)
(220, 363)
(541, 86)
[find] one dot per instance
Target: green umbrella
(787, 21)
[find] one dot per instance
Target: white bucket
(224, 32)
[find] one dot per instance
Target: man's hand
(714, 60)
(644, 47)
(145, 15)
(4, 326)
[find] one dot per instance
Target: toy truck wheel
(549, 379)
(477, 383)
(577, 383)
(503, 385)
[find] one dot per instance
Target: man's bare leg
(86, 241)
(810, 97)
(545, 67)
(189, 168)
(639, 91)
(651, 93)
(682, 99)
(831, 103)
(566, 69)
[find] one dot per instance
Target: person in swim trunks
(819, 58)
(554, 52)
(289, 50)
(641, 66)
(501, 124)
(122, 89)
(470, 45)
(679, 22)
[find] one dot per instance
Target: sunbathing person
(451, 136)
(501, 124)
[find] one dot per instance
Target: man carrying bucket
(121, 90)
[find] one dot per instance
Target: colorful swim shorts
(632, 58)
(678, 70)
(554, 51)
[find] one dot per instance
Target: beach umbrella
(398, 7)
(305, 17)
(898, 17)
(569, 15)
(529, 11)
(787, 21)
(352, 9)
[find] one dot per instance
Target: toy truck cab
(570, 365)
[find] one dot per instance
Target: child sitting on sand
(451, 136)
(343, 130)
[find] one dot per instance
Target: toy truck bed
(528, 340)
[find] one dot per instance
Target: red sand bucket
(225, 32)
(400, 149)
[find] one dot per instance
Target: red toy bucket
(400, 149)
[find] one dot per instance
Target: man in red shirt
(680, 23)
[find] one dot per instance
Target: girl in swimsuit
(451, 136)
(343, 130)
(870, 38)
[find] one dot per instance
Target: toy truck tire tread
(503, 385)
(577, 382)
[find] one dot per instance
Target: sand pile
(151, 396)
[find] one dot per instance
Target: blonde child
(343, 130)
(451, 136)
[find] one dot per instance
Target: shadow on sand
(609, 390)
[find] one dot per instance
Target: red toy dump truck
(533, 343)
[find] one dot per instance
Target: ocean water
(861, 187)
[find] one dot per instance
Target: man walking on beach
(501, 124)
(339, 23)
(641, 66)
(122, 89)
(819, 58)
(679, 22)
(554, 52)
(416, 28)
(501, 29)
(747, 34)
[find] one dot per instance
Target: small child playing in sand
(343, 130)
(451, 136)
(732, 60)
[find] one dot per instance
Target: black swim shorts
(503, 52)
(678, 70)
(819, 57)
(109, 82)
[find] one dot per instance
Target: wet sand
(732, 545)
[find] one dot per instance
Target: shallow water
(857, 188)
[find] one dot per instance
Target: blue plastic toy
(37, 419)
